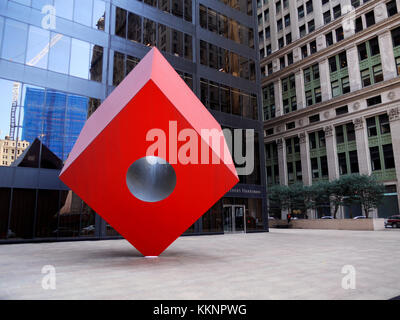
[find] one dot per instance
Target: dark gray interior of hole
(151, 179)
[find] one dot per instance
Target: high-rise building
(10, 150)
(331, 91)
(57, 123)
(56, 67)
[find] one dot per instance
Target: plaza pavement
(281, 264)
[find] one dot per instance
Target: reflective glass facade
(57, 66)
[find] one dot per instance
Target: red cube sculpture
(110, 168)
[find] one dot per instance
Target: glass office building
(59, 59)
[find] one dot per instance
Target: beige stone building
(331, 93)
(10, 150)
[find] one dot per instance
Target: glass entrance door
(234, 218)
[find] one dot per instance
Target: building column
(278, 98)
(380, 12)
(300, 94)
(364, 163)
(325, 80)
(398, 5)
(349, 25)
(394, 118)
(387, 55)
(282, 167)
(331, 154)
(306, 165)
(354, 68)
(318, 16)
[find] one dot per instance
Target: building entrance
(234, 218)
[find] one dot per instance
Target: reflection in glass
(164, 5)
(57, 124)
(134, 27)
(225, 99)
(149, 32)
(177, 8)
(188, 47)
(5, 196)
(65, 8)
(212, 220)
(69, 217)
(120, 22)
(119, 68)
(96, 63)
(79, 66)
(164, 38)
(188, 10)
(22, 214)
(83, 12)
(99, 14)
(59, 53)
(14, 50)
(38, 47)
(131, 63)
(177, 43)
(47, 212)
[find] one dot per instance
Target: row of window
(225, 27)
(226, 99)
(52, 51)
(90, 13)
(226, 61)
(142, 30)
(370, 70)
(331, 37)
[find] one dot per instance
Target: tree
(367, 191)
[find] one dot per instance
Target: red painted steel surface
(114, 137)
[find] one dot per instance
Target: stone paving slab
(281, 264)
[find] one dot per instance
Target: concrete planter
(332, 224)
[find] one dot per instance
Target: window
(309, 6)
(278, 6)
(339, 34)
(337, 11)
(288, 38)
(314, 168)
(304, 51)
(391, 8)
(14, 50)
(287, 20)
(342, 110)
(314, 118)
(398, 65)
(353, 157)
(351, 134)
(388, 156)
(135, 27)
(324, 2)
(300, 11)
(302, 30)
(327, 16)
(362, 51)
(355, 3)
(378, 74)
(365, 78)
(371, 127)
(290, 125)
(311, 26)
(342, 163)
(329, 39)
(358, 25)
(282, 62)
(384, 123)
(374, 45)
(370, 18)
(281, 43)
(375, 158)
(332, 64)
(374, 100)
(279, 24)
(335, 88)
(267, 32)
(313, 47)
(290, 58)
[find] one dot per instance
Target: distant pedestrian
(289, 217)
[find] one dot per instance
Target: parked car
(393, 221)
(327, 217)
(360, 217)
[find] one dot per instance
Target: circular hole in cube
(151, 179)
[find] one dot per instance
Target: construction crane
(17, 85)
